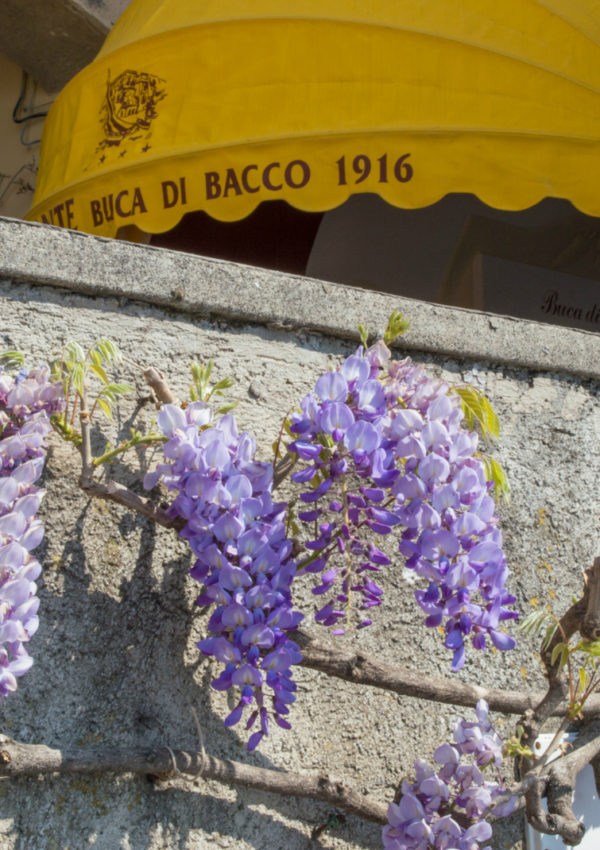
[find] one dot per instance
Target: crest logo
(129, 107)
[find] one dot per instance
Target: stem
(74, 409)
(279, 439)
(128, 444)
(86, 443)
(156, 382)
(543, 761)
(112, 491)
(347, 554)
(120, 495)
(590, 629)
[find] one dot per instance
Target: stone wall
(115, 656)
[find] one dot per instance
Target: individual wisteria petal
(244, 559)
(30, 399)
(362, 437)
(170, 419)
(332, 386)
(336, 417)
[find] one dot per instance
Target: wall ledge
(36, 254)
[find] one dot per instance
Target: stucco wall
(116, 661)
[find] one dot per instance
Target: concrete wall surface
(115, 657)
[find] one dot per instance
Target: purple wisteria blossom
(383, 449)
(450, 537)
(432, 811)
(244, 559)
(26, 403)
(349, 471)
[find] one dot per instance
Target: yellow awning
(218, 105)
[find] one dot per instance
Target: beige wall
(18, 157)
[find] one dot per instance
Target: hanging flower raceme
(349, 471)
(243, 560)
(383, 447)
(26, 403)
(433, 810)
(443, 502)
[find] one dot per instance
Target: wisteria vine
(378, 448)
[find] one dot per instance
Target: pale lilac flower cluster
(384, 446)
(26, 403)
(446, 808)
(243, 560)
(451, 536)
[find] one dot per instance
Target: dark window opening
(274, 236)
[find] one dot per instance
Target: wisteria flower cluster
(26, 403)
(349, 471)
(244, 559)
(384, 446)
(447, 807)
(443, 500)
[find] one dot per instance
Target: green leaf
(496, 474)
(364, 336)
(477, 409)
(97, 369)
(95, 357)
(500, 479)
(199, 390)
(491, 418)
(226, 408)
(550, 632)
(558, 650)
(74, 353)
(396, 326)
(326, 440)
(591, 648)
(107, 350)
(583, 678)
(78, 374)
(11, 359)
(116, 389)
(223, 384)
(533, 622)
(105, 407)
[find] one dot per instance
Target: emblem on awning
(130, 106)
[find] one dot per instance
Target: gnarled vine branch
(17, 759)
